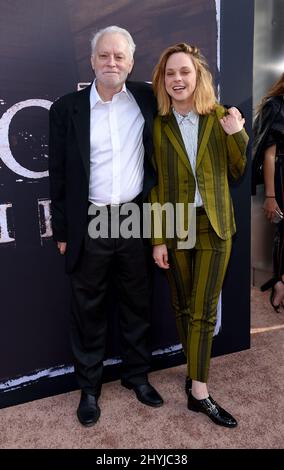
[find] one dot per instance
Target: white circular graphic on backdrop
(5, 151)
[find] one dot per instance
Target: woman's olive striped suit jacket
(218, 155)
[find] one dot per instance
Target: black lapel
(147, 105)
(81, 119)
(138, 94)
(142, 100)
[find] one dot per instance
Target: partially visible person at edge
(268, 168)
(100, 153)
(197, 142)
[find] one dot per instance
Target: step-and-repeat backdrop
(45, 53)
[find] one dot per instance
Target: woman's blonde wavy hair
(204, 98)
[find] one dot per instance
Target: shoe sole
(156, 405)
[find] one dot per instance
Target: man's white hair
(113, 30)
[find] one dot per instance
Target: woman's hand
(233, 122)
(271, 208)
(160, 255)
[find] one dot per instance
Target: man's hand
(160, 255)
(62, 247)
(233, 121)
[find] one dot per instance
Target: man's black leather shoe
(188, 385)
(145, 393)
(208, 406)
(88, 411)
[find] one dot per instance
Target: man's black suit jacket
(69, 162)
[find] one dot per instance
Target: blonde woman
(197, 143)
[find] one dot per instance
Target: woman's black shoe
(209, 407)
(271, 285)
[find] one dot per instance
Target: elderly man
(100, 149)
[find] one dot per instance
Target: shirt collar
(192, 117)
(95, 97)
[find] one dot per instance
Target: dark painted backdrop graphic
(45, 53)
